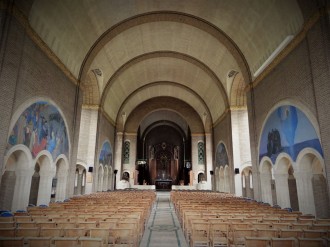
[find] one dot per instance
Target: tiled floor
(163, 229)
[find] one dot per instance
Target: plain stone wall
(222, 132)
(105, 132)
(87, 136)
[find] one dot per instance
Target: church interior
(115, 113)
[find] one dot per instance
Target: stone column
(266, 189)
(282, 190)
(305, 192)
(45, 187)
(79, 183)
(105, 180)
(22, 190)
(118, 156)
(248, 186)
(61, 187)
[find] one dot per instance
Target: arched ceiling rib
(163, 103)
(126, 41)
(163, 115)
(165, 66)
(163, 90)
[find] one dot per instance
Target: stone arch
(285, 183)
(126, 175)
(62, 167)
(203, 25)
(16, 179)
(311, 184)
(265, 170)
(246, 174)
(80, 179)
(47, 172)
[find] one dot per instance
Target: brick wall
(302, 78)
(28, 75)
(321, 198)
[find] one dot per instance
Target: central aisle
(163, 228)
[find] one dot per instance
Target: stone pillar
(305, 192)
(105, 179)
(79, 183)
(61, 187)
(282, 190)
(22, 190)
(209, 160)
(266, 189)
(248, 186)
(118, 155)
(45, 187)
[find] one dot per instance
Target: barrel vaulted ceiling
(202, 53)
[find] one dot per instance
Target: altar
(163, 184)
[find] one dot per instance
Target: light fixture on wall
(90, 169)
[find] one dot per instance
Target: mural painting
(41, 127)
(221, 155)
(106, 154)
(287, 130)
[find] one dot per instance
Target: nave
(161, 219)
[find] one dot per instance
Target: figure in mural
(105, 154)
(288, 130)
(274, 142)
(221, 155)
(41, 127)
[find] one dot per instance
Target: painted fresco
(221, 155)
(41, 127)
(287, 130)
(106, 154)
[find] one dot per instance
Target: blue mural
(106, 154)
(287, 130)
(41, 127)
(221, 155)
